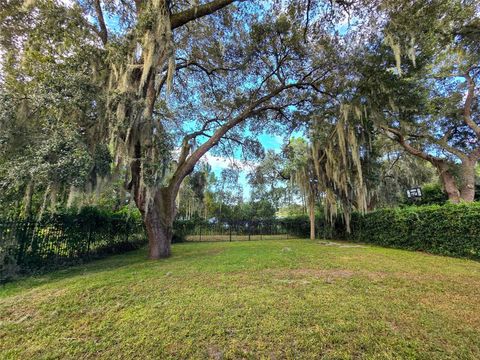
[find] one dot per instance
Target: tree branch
(103, 32)
(443, 143)
(400, 139)
(189, 163)
(467, 108)
(185, 64)
(196, 12)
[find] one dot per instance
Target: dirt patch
(331, 243)
(19, 309)
(213, 251)
(215, 353)
(305, 276)
(336, 273)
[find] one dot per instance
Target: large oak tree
(228, 72)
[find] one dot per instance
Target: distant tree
(301, 169)
(269, 182)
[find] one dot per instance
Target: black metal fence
(32, 245)
(241, 230)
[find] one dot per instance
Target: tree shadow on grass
(134, 259)
(105, 264)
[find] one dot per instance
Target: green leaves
(452, 230)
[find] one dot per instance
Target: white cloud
(222, 162)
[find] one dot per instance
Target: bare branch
(252, 110)
(400, 139)
(443, 143)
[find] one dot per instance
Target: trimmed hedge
(449, 229)
(452, 230)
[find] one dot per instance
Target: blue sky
(269, 141)
(218, 163)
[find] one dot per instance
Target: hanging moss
(148, 50)
(395, 46)
(338, 165)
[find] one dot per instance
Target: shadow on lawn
(114, 262)
(109, 263)
(188, 252)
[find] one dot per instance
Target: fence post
(200, 232)
(230, 227)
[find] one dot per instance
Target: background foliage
(32, 245)
(448, 229)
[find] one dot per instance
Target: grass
(261, 299)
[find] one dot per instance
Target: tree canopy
(128, 96)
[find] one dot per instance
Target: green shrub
(447, 230)
(182, 228)
(432, 194)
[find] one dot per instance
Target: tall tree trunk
(159, 225)
(54, 197)
(158, 210)
(311, 215)
(372, 203)
(158, 220)
(157, 233)
(449, 183)
(467, 190)
(27, 200)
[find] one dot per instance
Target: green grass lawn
(247, 300)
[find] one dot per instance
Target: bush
(183, 228)
(432, 194)
(32, 245)
(449, 229)
(446, 230)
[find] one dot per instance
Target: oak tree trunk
(159, 233)
(158, 214)
(449, 184)
(467, 190)
(158, 220)
(27, 201)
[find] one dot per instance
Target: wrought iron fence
(29, 245)
(240, 230)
